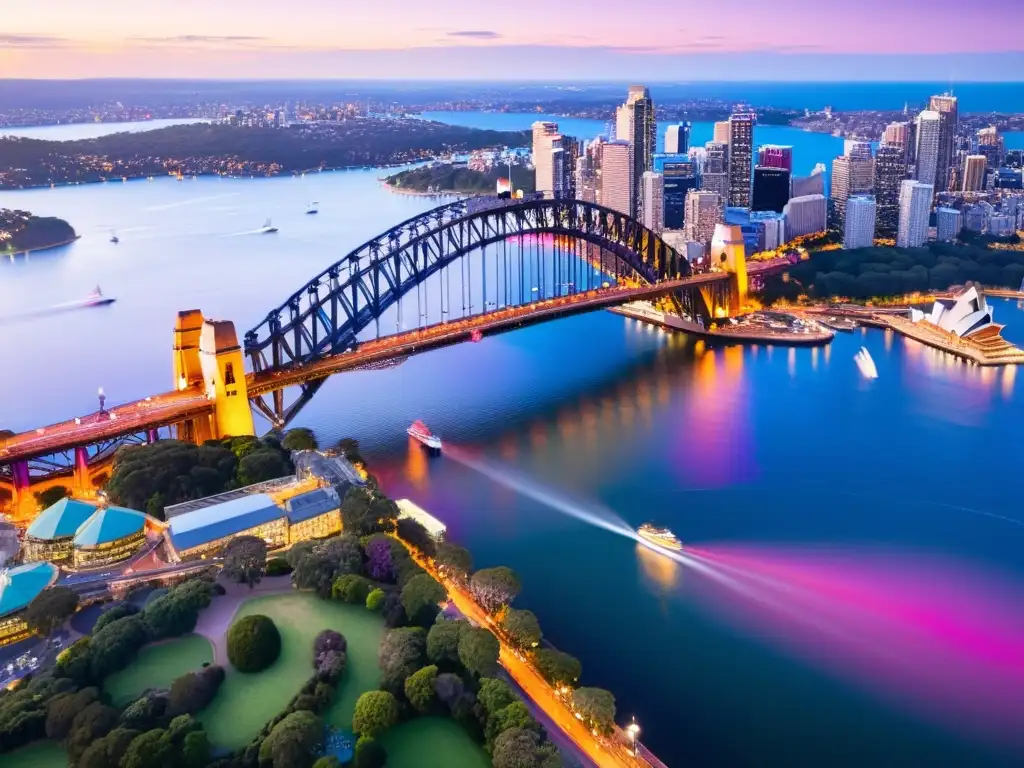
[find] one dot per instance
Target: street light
(633, 730)
(103, 399)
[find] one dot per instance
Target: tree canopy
(558, 668)
(376, 712)
(292, 742)
(245, 560)
(522, 628)
(478, 651)
(420, 598)
(495, 588)
(50, 609)
(596, 706)
(254, 643)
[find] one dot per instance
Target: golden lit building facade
(19, 587)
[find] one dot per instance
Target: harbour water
(788, 457)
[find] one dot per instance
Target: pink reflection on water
(927, 633)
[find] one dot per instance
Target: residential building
(991, 145)
(653, 201)
(974, 173)
(741, 158)
(680, 176)
(802, 186)
(948, 223)
(677, 139)
(703, 212)
(915, 210)
(851, 175)
(636, 120)
(946, 108)
(805, 215)
(616, 176)
(715, 175)
(771, 189)
(890, 173)
(544, 134)
(856, 148)
(929, 128)
(1001, 225)
(859, 231)
(977, 216)
(775, 156)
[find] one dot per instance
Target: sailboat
(311, 209)
(866, 364)
(268, 228)
(114, 238)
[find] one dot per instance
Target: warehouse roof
(61, 520)
(20, 586)
(193, 529)
(311, 504)
(109, 524)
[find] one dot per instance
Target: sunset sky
(474, 39)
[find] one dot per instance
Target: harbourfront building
(915, 210)
(805, 215)
(948, 223)
(890, 173)
(741, 158)
(19, 587)
(859, 231)
(771, 189)
(82, 534)
(50, 537)
(653, 201)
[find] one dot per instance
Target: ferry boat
(311, 209)
(268, 228)
(419, 431)
(97, 299)
(662, 538)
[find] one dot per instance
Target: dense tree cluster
(459, 179)
(869, 273)
(21, 231)
(50, 609)
(245, 560)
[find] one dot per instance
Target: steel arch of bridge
(326, 316)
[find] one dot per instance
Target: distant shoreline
(51, 246)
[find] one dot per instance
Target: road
(600, 752)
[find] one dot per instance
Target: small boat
(97, 299)
(420, 432)
(866, 364)
(311, 209)
(660, 538)
(268, 228)
(114, 238)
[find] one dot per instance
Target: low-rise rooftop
(20, 586)
(193, 529)
(61, 520)
(109, 524)
(311, 504)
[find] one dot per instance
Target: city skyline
(260, 39)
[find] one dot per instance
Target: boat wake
(93, 300)
(190, 201)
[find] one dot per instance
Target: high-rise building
(636, 124)
(680, 177)
(974, 173)
(587, 177)
(715, 176)
(721, 135)
(851, 175)
(902, 135)
(890, 172)
(801, 186)
(653, 201)
(616, 176)
(915, 209)
(856, 148)
(859, 231)
(929, 125)
(775, 156)
(544, 134)
(805, 215)
(946, 107)
(948, 223)
(991, 145)
(677, 139)
(771, 189)
(741, 158)
(703, 212)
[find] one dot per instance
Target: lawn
(41, 754)
(433, 742)
(157, 666)
(246, 702)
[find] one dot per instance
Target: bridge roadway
(452, 332)
(176, 406)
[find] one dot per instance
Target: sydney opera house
(966, 314)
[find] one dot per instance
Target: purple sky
(539, 39)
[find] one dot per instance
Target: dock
(741, 335)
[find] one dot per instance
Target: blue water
(758, 446)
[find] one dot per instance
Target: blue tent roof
(19, 586)
(61, 520)
(311, 504)
(110, 524)
(202, 526)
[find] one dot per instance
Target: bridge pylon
(728, 253)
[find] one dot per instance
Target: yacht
(419, 431)
(268, 228)
(866, 364)
(661, 538)
(311, 209)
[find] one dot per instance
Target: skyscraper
(587, 176)
(741, 158)
(653, 201)
(851, 175)
(859, 231)
(775, 156)
(805, 215)
(703, 212)
(616, 176)
(715, 177)
(903, 135)
(946, 107)
(991, 145)
(801, 186)
(948, 223)
(680, 177)
(915, 208)
(544, 134)
(721, 135)
(890, 172)
(636, 119)
(974, 173)
(928, 132)
(856, 148)
(677, 139)
(771, 189)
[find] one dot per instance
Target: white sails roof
(965, 313)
